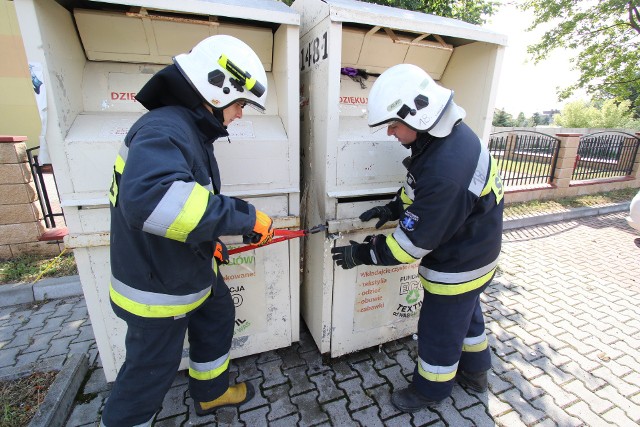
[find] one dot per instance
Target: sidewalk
(563, 322)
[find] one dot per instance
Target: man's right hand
(383, 213)
(262, 232)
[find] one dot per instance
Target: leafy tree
(472, 11)
(606, 35)
(610, 115)
(522, 122)
(502, 119)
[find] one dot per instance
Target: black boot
(410, 400)
(476, 381)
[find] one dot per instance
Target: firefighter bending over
(450, 218)
(167, 215)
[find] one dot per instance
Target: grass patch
(588, 200)
(28, 268)
(20, 399)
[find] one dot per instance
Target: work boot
(476, 381)
(235, 395)
(410, 400)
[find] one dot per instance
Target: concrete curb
(564, 216)
(26, 293)
(55, 409)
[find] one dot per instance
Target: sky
(524, 86)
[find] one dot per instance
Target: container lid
(257, 10)
(391, 17)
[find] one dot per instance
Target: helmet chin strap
(451, 117)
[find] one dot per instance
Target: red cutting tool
(281, 236)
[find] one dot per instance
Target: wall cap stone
(12, 138)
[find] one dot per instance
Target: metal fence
(41, 186)
(605, 155)
(524, 157)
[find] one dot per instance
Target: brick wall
(21, 221)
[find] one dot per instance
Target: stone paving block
(39, 342)
(258, 400)
(449, 414)
(272, 373)
(326, 385)
(53, 324)
(255, 417)
(558, 375)
(402, 420)
(309, 408)
(528, 414)
(268, 356)
(71, 328)
(338, 413)
(288, 421)
(611, 394)
(342, 370)
(370, 376)
(394, 376)
(173, 403)
(355, 394)
(64, 308)
(625, 387)
(583, 363)
(589, 380)
(382, 396)
(59, 346)
(560, 396)
(35, 321)
(314, 362)
(356, 357)
(426, 417)
(617, 417)
(464, 398)
(300, 382)
(290, 358)
(369, 417)
(496, 406)
(96, 383)
(496, 384)
(596, 403)
(525, 368)
(14, 339)
(29, 358)
(528, 390)
(86, 334)
(549, 405)
(512, 419)
(247, 368)
(582, 411)
(381, 359)
(279, 402)
(477, 416)
(406, 361)
(86, 413)
(78, 311)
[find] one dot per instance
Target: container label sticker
(244, 277)
(386, 295)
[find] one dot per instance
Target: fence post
(635, 172)
(566, 160)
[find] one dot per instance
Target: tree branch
(634, 16)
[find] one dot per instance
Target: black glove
(352, 255)
(384, 213)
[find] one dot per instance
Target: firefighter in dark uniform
(167, 215)
(450, 218)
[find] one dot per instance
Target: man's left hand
(352, 255)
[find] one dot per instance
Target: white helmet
(406, 93)
(225, 70)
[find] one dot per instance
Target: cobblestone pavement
(563, 321)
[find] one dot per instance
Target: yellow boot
(235, 395)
